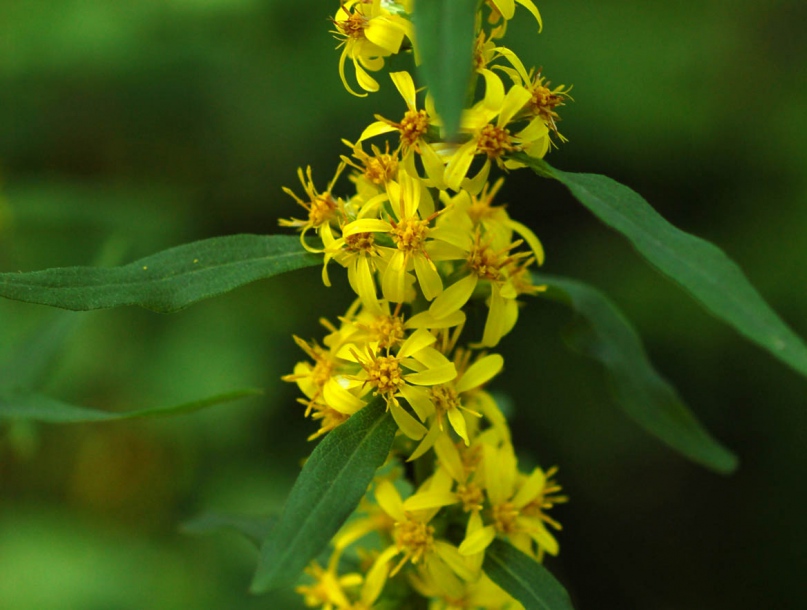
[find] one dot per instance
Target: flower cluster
(438, 270)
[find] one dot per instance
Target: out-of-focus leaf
(601, 332)
(444, 37)
(254, 528)
(326, 492)
(29, 364)
(700, 267)
(163, 282)
(38, 407)
(524, 578)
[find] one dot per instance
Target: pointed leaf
(254, 528)
(38, 407)
(601, 332)
(700, 267)
(444, 36)
(326, 492)
(163, 282)
(524, 578)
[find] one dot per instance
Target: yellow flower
(369, 33)
(412, 129)
(417, 244)
(322, 208)
(516, 502)
(448, 398)
(413, 536)
(495, 141)
(401, 374)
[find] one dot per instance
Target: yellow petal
(459, 164)
(430, 282)
(513, 102)
(478, 541)
(527, 4)
(493, 475)
(407, 424)
(449, 458)
(389, 500)
(366, 225)
(415, 342)
(364, 285)
(340, 399)
(457, 420)
(530, 238)
(494, 91)
(454, 297)
(538, 532)
(425, 444)
(375, 581)
(451, 556)
(393, 282)
(380, 32)
(406, 87)
(424, 500)
(366, 82)
(418, 399)
(435, 376)
(376, 129)
(480, 372)
(506, 7)
(494, 325)
(425, 319)
(532, 487)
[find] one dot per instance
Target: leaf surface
(524, 578)
(601, 332)
(42, 408)
(326, 492)
(698, 266)
(444, 37)
(164, 282)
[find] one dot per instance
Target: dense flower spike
(423, 244)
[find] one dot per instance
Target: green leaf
(524, 578)
(444, 34)
(254, 528)
(602, 332)
(701, 268)
(329, 488)
(163, 282)
(29, 364)
(38, 407)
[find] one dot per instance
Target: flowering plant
(414, 491)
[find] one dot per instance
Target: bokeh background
(135, 126)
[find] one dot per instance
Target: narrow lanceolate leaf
(163, 282)
(444, 38)
(254, 528)
(698, 266)
(602, 332)
(327, 491)
(524, 578)
(38, 407)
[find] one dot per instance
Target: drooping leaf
(326, 492)
(38, 407)
(444, 37)
(166, 281)
(601, 332)
(700, 267)
(524, 578)
(254, 528)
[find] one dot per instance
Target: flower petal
(442, 374)
(408, 424)
(530, 489)
(415, 342)
(478, 541)
(389, 500)
(454, 297)
(430, 282)
(480, 372)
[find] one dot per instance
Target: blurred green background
(149, 124)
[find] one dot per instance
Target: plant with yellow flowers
(414, 496)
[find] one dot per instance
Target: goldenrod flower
(448, 398)
(417, 244)
(322, 208)
(369, 32)
(495, 141)
(513, 502)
